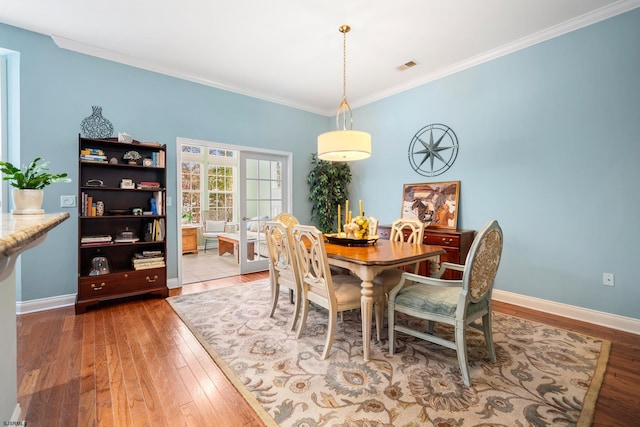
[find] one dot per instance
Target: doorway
(212, 186)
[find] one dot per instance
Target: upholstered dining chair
(336, 293)
(388, 279)
(455, 302)
(212, 229)
(283, 269)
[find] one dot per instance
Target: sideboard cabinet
(121, 220)
(456, 244)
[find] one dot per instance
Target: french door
(264, 192)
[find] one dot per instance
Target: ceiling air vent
(407, 65)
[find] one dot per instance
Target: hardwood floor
(135, 364)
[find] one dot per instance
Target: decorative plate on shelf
(346, 241)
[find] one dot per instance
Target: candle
(346, 212)
(338, 219)
(360, 207)
(350, 217)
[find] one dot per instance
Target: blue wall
(58, 88)
(548, 146)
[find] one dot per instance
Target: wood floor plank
(132, 383)
(143, 352)
(117, 403)
(136, 363)
(74, 328)
(103, 413)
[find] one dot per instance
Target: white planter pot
(27, 202)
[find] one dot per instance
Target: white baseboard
(622, 323)
(50, 303)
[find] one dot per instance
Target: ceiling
(290, 51)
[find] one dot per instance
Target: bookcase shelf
(131, 213)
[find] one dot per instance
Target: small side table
(190, 239)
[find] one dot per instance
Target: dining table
(367, 261)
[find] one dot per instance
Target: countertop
(19, 231)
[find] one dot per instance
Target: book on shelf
(93, 158)
(147, 260)
(127, 240)
(94, 239)
(150, 265)
(149, 185)
(151, 253)
(141, 259)
(96, 243)
(155, 231)
(92, 151)
(159, 206)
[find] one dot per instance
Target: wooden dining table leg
(366, 307)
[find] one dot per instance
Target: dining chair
(286, 218)
(283, 269)
(212, 229)
(388, 279)
(336, 293)
(373, 226)
(455, 302)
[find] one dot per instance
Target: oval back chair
(455, 302)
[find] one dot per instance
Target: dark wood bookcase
(123, 208)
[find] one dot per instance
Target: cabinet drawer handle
(447, 241)
(155, 277)
(97, 287)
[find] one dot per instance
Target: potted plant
(29, 183)
(328, 188)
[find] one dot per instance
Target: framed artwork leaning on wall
(433, 202)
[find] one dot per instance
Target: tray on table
(348, 241)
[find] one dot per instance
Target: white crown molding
(525, 42)
(109, 55)
(568, 26)
(614, 321)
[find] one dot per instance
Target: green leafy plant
(328, 188)
(33, 177)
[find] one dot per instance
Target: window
(191, 178)
(208, 183)
(220, 190)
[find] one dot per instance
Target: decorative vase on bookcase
(27, 201)
(95, 125)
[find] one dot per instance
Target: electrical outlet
(169, 201)
(607, 279)
(67, 201)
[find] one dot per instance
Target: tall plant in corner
(328, 188)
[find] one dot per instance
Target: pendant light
(344, 145)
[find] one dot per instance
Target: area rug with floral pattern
(543, 375)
